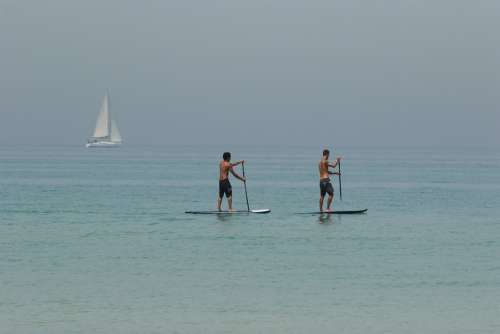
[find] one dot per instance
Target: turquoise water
(96, 241)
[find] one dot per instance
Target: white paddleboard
(215, 212)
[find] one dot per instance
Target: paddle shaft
(245, 185)
(340, 182)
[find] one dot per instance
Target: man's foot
(230, 210)
(328, 210)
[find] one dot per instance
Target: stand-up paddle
(340, 182)
(245, 185)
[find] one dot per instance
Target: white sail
(103, 125)
(115, 133)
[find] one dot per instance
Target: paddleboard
(339, 212)
(261, 211)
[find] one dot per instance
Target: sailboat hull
(103, 144)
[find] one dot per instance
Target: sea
(97, 241)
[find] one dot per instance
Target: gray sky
(348, 72)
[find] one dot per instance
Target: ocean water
(96, 241)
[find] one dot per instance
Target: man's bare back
(224, 168)
(324, 166)
(323, 169)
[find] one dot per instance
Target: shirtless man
(225, 166)
(325, 185)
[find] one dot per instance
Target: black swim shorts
(225, 188)
(325, 187)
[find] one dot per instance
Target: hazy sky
(345, 72)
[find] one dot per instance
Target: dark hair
(226, 156)
(326, 152)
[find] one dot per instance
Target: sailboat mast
(109, 113)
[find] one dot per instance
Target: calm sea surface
(96, 241)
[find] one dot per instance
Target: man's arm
(236, 175)
(335, 163)
(237, 163)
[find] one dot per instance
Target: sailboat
(106, 132)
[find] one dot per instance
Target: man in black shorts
(226, 167)
(325, 185)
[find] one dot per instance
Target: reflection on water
(325, 218)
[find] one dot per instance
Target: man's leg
(230, 202)
(330, 201)
(221, 194)
(321, 203)
(219, 202)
